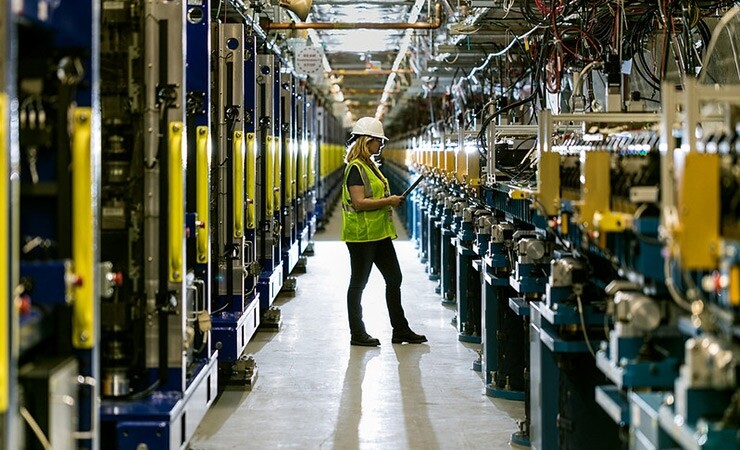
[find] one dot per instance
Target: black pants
(362, 257)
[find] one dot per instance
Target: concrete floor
(315, 391)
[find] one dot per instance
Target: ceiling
(363, 59)
(378, 66)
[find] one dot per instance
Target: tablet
(413, 185)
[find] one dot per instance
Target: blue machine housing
(468, 287)
(164, 419)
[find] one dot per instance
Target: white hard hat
(369, 126)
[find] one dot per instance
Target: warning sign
(310, 61)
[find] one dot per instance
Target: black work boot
(364, 340)
(399, 337)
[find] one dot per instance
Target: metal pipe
(431, 25)
(368, 72)
(364, 2)
(360, 103)
(369, 91)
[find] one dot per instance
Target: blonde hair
(359, 149)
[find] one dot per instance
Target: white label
(309, 61)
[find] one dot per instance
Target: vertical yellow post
(288, 176)
(277, 178)
(438, 159)
(697, 235)
(238, 153)
(176, 202)
(202, 189)
(449, 162)
(460, 164)
(294, 155)
(269, 173)
(472, 167)
(548, 182)
(595, 186)
(83, 245)
(320, 152)
(301, 167)
(332, 159)
(251, 177)
(5, 287)
(734, 286)
(311, 168)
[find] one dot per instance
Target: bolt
(202, 131)
(82, 118)
(83, 336)
(175, 127)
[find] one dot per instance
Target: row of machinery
(604, 290)
(591, 248)
(164, 170)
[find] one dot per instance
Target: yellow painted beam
(83, 245)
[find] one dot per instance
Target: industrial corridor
(192, 194)
(315, 391)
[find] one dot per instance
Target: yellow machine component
(564, 224)
(612, 222)
(307, 164)
(460, 165)
(238, 168)
(83, 245)
(323, 156)
(734, 286)
(202, 189)
(337, 157)
(595, 189)
(520, 194)
(472, 168)
(301, 167)
(333, 160)
(251, 180)
(277, 176)
(697, 231)
(176, 202)
(449, 163)
(330, 156)
(548, 182)
(330, 159)
(293, 191)
(269, 174)
(5, 252)
(311, 161)
(288, 170)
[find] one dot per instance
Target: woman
(368, 230)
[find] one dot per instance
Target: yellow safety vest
(366, 226)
